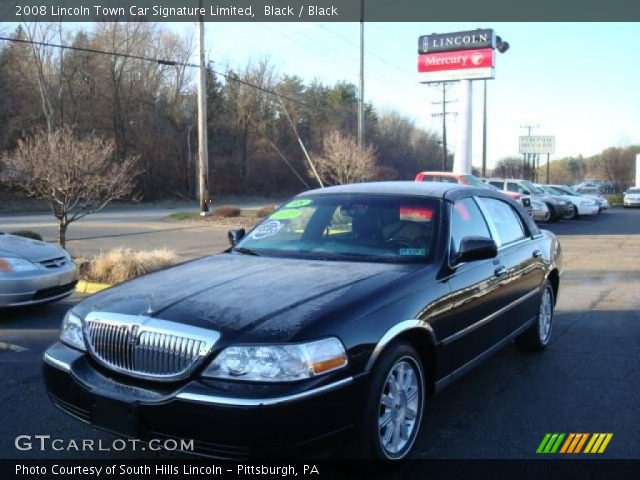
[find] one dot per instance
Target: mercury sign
(538, 144)
(446, 42)
(463, 64)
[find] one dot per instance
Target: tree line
(147, 109)
(615, 165)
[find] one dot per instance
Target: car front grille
(147, 347)
(54, 262)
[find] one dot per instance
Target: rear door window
(466, 221)
(508, 224)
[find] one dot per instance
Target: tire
(382, 408)
(553, 216)
(537, 336)
(573, 215)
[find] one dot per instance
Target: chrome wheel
(545, 316)
(400, 408)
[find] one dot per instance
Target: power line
(161, 61)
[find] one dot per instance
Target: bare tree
(512, 167)
(342, 161)
(76, 176)
(616, 165)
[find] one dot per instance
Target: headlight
(71, 332)
(13, 264)
(278, 363)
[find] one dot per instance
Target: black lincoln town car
(342, 312)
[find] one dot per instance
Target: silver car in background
(33, 272)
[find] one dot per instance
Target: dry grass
(265, 211)
(120, 264)
(227, 211)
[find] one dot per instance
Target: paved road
(144, 229)
(588, 380)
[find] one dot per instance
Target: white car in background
(632, 197)
(581, 205)
(593, 193)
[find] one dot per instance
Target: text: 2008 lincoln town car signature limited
(341, 312)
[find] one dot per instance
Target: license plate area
(116, 416)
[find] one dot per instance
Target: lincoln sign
(446, 42)
(456, 56)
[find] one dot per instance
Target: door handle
(537, 253)
(500, 271)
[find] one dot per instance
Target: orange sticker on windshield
(416, 214)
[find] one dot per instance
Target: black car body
(416, 320)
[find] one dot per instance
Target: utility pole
(443, 114)
(361, 101)
(203, 154)
(484, 131)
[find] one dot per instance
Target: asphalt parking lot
(588, 380)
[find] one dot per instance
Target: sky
(577, 81)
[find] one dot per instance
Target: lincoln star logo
(133, 338)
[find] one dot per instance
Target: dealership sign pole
(458, 56)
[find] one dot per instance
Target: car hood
(32, 250)
(258, 297)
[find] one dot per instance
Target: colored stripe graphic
(556, 443)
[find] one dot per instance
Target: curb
(90, 287)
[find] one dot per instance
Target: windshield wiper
(246, 251)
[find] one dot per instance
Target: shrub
(120, 264)
(28, 234)
(265, 211)
(227, 211)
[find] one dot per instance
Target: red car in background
(472, 180)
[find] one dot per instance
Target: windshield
(532, 188)
(590, 191)
(389, 228)
(633, 190)
(474, 181)
(552, 190)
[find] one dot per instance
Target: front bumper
(588, 209)
(223, 421)
(632, 202)
(38, 286)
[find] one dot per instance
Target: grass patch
(227, 211)
(180, 216)
(120, 264)
(615, 199)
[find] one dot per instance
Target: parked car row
(545, 203)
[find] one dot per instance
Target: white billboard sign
(538, 144)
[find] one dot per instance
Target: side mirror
(476, 248)
(526, 192)
(235, 236)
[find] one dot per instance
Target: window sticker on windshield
(415, 214)
(303, 202)
(413, 252)
(286, 214)
(266, 230)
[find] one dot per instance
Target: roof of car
(449, 191)
(442, 174)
